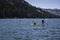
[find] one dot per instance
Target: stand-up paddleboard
(39, 24)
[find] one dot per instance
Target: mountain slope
(53, 11)
(22, 9)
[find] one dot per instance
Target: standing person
(42, 21)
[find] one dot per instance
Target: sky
(48, 4)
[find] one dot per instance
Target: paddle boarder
(42, 21)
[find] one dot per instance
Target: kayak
(35, 25)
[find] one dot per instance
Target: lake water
(21, 29)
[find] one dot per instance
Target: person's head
(34, 23)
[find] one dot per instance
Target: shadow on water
(18, 38)
(40, 27)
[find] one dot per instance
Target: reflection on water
(21, 29)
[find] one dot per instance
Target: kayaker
(34, 23)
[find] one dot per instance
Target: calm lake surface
(21, 29)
